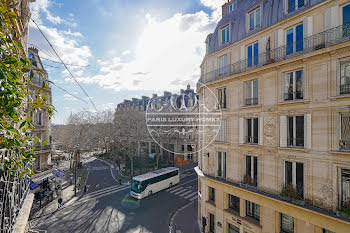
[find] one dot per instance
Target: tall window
(211, 223)
(222, 98)
(37, 160)
(234, 203)
(211, 194)
(38, 135)
(221, 164)
(287, 223)
(253, 54)
(232, 6)
(253, 210)
(295, 126)
(251, 92)
(344, 143)
(251, 170)
(252, 130)
(294, 85)
(223, 65)
(344, 77)
(345, 188)
(221, 137)
(40, 118)
(294, 39)
(295, 173)
(294, 5)
(254, 19)
(233, 229)
(225, 35)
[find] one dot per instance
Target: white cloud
(167, 56)
(126, 52)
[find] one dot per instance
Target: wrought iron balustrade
(298, 95)
(318, 41)
(13, 191)
(345, 89)
(344, 145)
(39, 147)
(250, 102)
(251, 140)
(295, 142)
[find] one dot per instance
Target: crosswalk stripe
(181, 191)
(174, 190)
(103, 191)
(190, 195)
(185, 193)
(193, 198)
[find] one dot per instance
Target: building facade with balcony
(40, 118)
(282, 160)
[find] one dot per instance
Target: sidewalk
(185, 219)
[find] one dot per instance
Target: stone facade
(287, 152)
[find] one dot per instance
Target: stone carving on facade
(269, 130)
(327, 194)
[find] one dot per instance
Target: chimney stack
(224, 9)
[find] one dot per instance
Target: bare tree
(131, 129)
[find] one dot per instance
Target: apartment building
(178, 148)
(281, 73)
(40, 118)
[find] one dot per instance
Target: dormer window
(254, 19)
(232, 6)
(225, 35)
(294, 5)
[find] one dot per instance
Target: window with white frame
(254, 19)
(232, 6)
(225, 35)
(252, 130)
(293, 85)
(344, 84)
(253, 210)
(295, 39)
(221, 137)
(222, 98)
(251, 170)
(295, 127)
(223, 65)
(221, 164)
(287, 223)
(253, 54)
(294, 178)
(293, 5)
(345, 188)
(251, 93)
(344, 142)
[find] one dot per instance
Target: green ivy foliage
(16, 73)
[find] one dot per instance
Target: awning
(33, 185)
(58, 173)
(40, 179)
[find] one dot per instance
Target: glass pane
(251, 21)
(255, 170)
(256, 211)
(300, 131)
(300, 179)
(344, 77)
(256, 130)
(345, 132)
(345, 179)
(223, 37)
(224, 98)
(255, 89)
(224, 164)
(250, 56)
(291, 5)
(257, 17)
(249, 208)
(299, 84)
(256, 53)
(219, 164)
(227, 34)
(299, 30)
(288, 86)
(248, 166)
(300, 3)
(233, 229)
(290, 35)
(290, 131)
(288, 173)
(346, 14)
(287, 223)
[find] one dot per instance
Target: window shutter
(242, 52)
(223, 128)
(262, 45)
(241, 130)
(279, 38)
(332, 18)
(308, 26)
(307, 131)
(261, 131)
(283, 131)
(228, 62)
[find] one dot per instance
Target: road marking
(102, 190)
(193, 198)
(99, 168)
(181, 191)
(190, 195)
(185, 193)
(100, 193)
(174, 190)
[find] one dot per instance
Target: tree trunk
(131, 166)
(157, 159)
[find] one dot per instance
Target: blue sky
(132, 48)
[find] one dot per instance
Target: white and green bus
(152, 182)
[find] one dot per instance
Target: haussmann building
(281, 161)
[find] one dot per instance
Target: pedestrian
(59, 202)
(85, 189)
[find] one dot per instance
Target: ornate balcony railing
(298, 95)
(345, 89)
(251, 101)
(251, 140)
(295, 142)
(318, 41)
(39, 147)
(13, 191)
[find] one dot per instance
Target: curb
(174, 215)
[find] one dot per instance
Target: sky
(120, 49)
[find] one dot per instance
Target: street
(107, 207)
